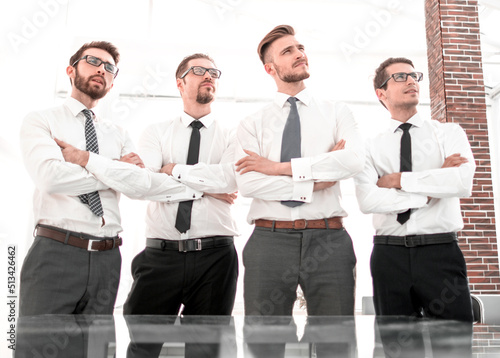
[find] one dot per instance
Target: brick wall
(457, 95)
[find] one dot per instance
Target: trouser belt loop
(326, 223)
(274, 223)
(67, 238)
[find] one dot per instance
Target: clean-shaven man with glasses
(73, 266)
(415, 173)
(190, 260)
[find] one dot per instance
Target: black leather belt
(81, 240)
(416, 240)
(190, 244)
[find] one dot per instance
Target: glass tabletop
(251, 336)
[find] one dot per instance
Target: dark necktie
(405, 163)
(290, 142)
(183, 219)
(91, 199)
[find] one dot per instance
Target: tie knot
(292, 100)
(87, 113)
(405, 127)
(196, 124)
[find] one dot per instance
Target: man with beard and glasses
(291, 156)
(190, 259)
(73, 266)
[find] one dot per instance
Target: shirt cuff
(302, 191)
(95, 162)
(416, 201)
(409, 181)
(181, 172)
(301, 169)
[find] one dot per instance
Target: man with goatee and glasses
(73, 266)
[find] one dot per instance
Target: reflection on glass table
(238, 336)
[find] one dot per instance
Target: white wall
(345, 42)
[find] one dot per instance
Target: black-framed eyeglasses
(200, 71)
(402, 77)
(95, 61)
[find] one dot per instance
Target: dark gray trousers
(63, 279)
(321, 261)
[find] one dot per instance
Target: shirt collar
(207, 120)
(416, 121)
(303, 96)
(74, 106)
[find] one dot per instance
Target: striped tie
(91, 199)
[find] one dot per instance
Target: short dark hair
(103, 45)
(183, 66)
(275, 34)
(381, 74)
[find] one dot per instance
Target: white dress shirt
(431, 142)
(168, 142)
(322, 125)
(58, 183)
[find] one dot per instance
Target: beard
(204, 96)
(85, 85)
(291, 77)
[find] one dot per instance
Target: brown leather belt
(83, 241)
(301, 224)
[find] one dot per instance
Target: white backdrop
(345, 41)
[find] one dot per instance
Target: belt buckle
(408, 243)
(300, 221)
(184, 245)
(89, 247)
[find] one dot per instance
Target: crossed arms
(398, 192)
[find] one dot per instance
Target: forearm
(372, 199)
(380, 195)
(440, 183)
(267, 187)
(332, 166)
(139, 183)
(207, 178)
(50, 172)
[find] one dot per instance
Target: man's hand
(390, 181)
(228, 198)
(339, 146)
(72, 154)
(133, 158)
(454, 160)
(256, 163)
(323, 185)
(167, 168)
